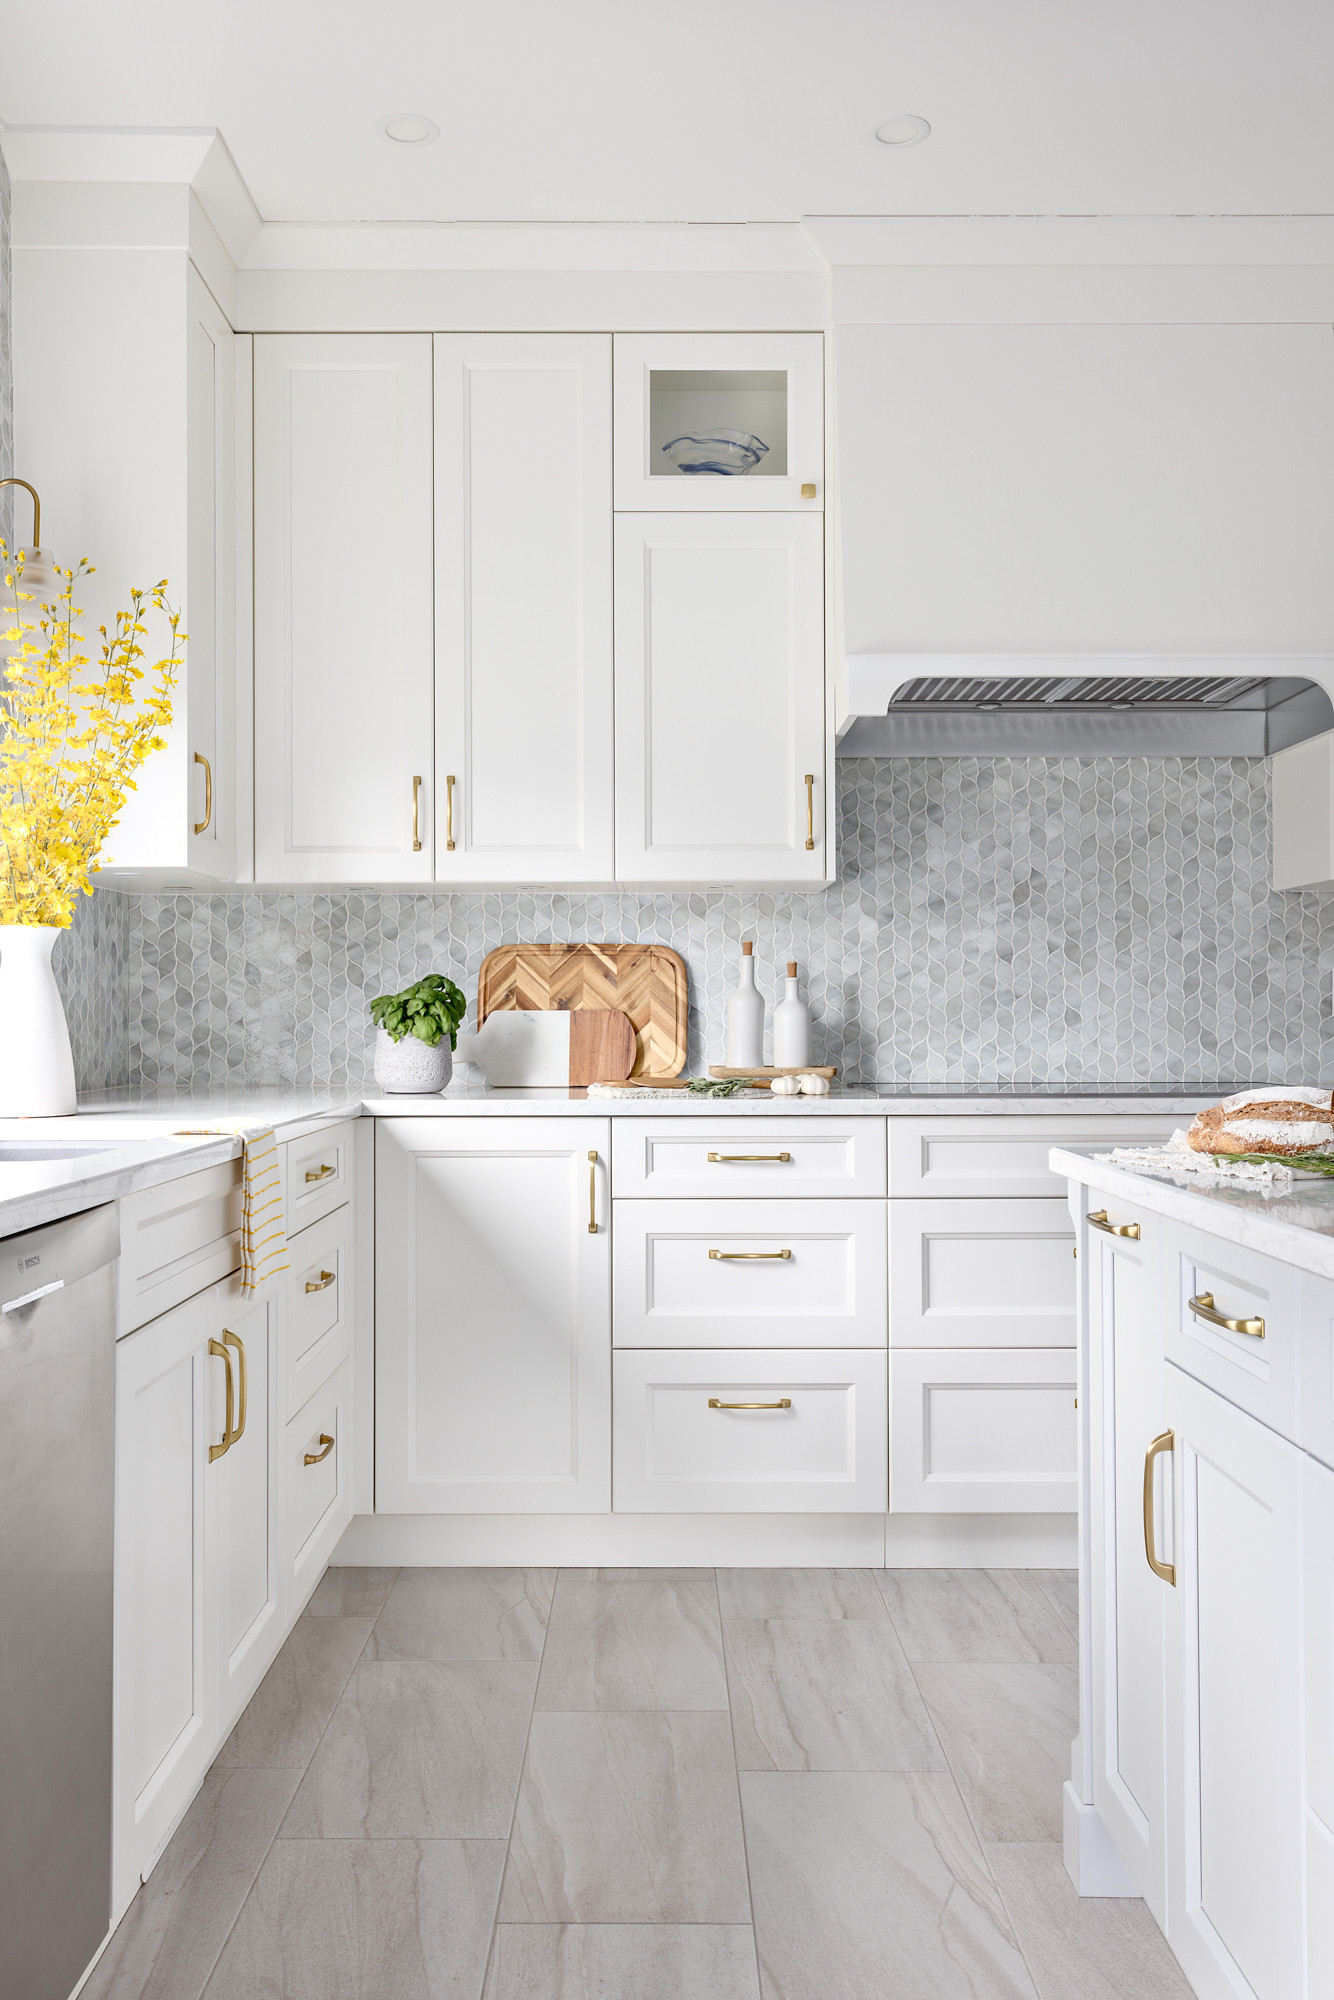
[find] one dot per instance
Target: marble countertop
(134, 1137)
(1296, 1226)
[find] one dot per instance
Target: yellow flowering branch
(72, 735)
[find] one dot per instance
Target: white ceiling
(709, 110)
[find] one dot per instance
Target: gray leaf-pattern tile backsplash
(995, 920)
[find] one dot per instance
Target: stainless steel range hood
(931, 705)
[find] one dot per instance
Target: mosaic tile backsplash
(1016, 919)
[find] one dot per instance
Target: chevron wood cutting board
(647, 982)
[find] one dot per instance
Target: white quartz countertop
(137, 1138)
(1297, 1226)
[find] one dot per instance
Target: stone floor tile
(633, 1645)
(290, 1709)
(623, 1962)
(353, 1592)
(1007, 1732)
(465, 1614)
(825, 1694)
(1082, 1947)
(997, 1615)
(800, 1593)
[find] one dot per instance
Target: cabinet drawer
(319, 1319)
(749, 1273)
(1316, 1418)
(319, 1495)
(319, 1174)
(1258, 1375)
(176, 1240)
(972, 1157)
(982, 1431)
(823, 1454)
(702, 1159)
(981, 1274)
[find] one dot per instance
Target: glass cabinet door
(720, 422)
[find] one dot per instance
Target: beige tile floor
(646, 1785)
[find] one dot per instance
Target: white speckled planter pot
(408, 1068)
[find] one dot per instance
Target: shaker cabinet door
(523, 608)
(493, 1316)
(720, 763)
(343, 612)
(245, 1556)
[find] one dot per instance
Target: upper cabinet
(720, 770)
(343, 608)
(720, 422)
(523, 608)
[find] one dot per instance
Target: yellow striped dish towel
(264, 1211)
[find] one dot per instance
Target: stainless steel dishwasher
(57, 1445)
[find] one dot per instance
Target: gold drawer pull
(243, 1391)
(592, 1194)
(320, 1173)
(783, 1403)
(1099, 1221)
(809, 782)
(201, 825)
(1167, 1571)
(722, 1159)
(322, 1284)
(216, 1451)
(750, 1256)
(416, 816)
(449, 813)
(808, 489)
(1203, 1307)
(318, 1457)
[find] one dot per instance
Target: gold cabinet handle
(322, 1284)
(449, 815)
(783, 1403)
(592, 1194)
(750, 1256)
(318, 1457)
(808, 490)
(1203, 1307)
(778, 1159)
(319, 1173)
(1099, 1220)
(234, 1340)
(201, 825)
(228, 1435)
(809, 782)
(1167, 1571)
(416, 815)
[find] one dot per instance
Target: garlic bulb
(786, 1086)
(814, 1086)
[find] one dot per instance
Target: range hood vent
(1117, 706)
(1092, 690)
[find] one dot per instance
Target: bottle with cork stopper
(792, 1026)
(745, 1018)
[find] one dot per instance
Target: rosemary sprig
(1310, 1163)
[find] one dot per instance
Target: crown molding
(1127, 240)
(195, 157)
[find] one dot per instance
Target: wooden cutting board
(646, 982)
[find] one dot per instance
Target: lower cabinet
(199, 1594)
(746, 1430)
(317, 1482)
(982, 1431)
(1318, 1665)
(1235, 1846)
(493, 1316)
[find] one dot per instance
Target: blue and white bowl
(725, 452)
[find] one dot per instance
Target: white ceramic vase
(409, 1068)
(36, 1064)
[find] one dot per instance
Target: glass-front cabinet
(711, 423)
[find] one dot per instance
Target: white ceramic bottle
(745, 1018)
(792, 1026)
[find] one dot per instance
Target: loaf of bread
(1272, 1120)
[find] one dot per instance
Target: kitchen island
(1203, 1772)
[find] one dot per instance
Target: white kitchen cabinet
(740, 1273)
(720, 741)
(768, 386)
(317, 1474)
(1316, 1368)
(321, 1291)
(523, 608)
(493, 1315)
(974, 1273)
(166, 1381)
(955, 1158)
(243, 1544)
(344, 784)
(740, 1158)
(750, 1431)
(125, 421)
(1125, 1639)
(1318, 1677)
(982, 1430)
(1234, 1701)
(1253, 1363)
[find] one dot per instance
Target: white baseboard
(1092, 1860)
(741, 1541)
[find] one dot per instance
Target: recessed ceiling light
(905, 128)
(407, 128)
